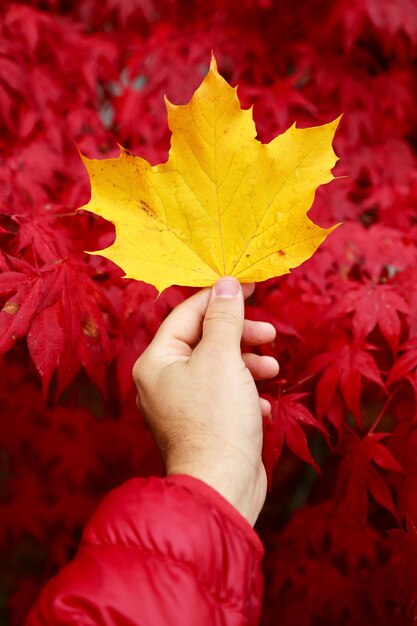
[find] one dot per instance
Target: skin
(198, 394)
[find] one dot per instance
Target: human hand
(199, 397)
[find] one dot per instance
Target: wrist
(244, 489)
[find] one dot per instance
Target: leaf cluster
(341, 446)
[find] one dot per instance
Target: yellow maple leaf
(223, 204)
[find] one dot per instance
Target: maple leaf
(288, 414)
(344, 367)
(70, 74)
(358, 474)
(405, 367)
(404, 446)
(374, 305)
(223, 203)
(62, 323)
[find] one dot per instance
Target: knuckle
(138, 402)
(139, 370)
(224, 317)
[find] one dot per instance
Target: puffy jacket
(159, 552)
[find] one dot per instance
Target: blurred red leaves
(341, 544)
(287, 416)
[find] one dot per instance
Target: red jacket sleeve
(159, 552)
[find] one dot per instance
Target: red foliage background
(340, 521)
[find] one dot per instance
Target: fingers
(182, 329)
(223, 320)
(265, 407)
(248, 289)
(256, 333)
(261, 367)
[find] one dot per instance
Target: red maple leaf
(93, 73)
(373, 305)
(285, 427)
(344, 367)
(57, 308)
(358, 475)
(405, 367)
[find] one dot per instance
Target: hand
(197, 392)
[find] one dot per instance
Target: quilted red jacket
(159, 552)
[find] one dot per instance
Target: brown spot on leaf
(11, 308)
(90, 329)
(145, 207)
(281, 252)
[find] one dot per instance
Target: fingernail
(226, 288)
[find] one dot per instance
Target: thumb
(223, 321)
